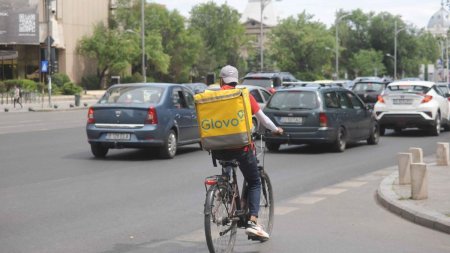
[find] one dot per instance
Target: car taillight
(91, 119)
(380, 99)
(152, 118)
(323, 119)
(426, 99)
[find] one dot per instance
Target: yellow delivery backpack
(224, 118)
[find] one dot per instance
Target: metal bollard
(442, 155)
(417, 155)
(419, 181)
(404, 168)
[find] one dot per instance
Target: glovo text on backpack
(224, 118)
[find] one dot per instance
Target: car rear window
(265, 83)
(293, 100)
(368, 87)
(127, 95)
(407, 89)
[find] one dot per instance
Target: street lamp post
(143, 41)
(395, 47)
(264, 4)
(338, 19)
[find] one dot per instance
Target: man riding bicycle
(229, 78)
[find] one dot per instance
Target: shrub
(70, 88)
(59, 79)
(90, 82)
(24, 84)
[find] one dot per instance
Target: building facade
(26, 25)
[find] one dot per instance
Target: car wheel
(436, 130)
(340, 143)
(382, 130)
(374, 135)
(272, 147)
(98, 150)
(169, 148)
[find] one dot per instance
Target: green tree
(109, 48)
(299, 45)
(367, 63)
(222, 33)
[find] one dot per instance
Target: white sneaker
(254, 229)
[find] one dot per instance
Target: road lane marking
(350, 184)
(306, 200)
(282, 210)
(329, 191)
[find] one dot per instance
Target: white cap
(229, 74)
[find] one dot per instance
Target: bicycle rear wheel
(220, 230)
(266, 204)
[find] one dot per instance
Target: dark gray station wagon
(158, 115)
(320, 115)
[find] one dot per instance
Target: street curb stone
(409, 211)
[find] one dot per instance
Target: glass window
(356, 103)
(257, 96)
(293, 100)
(344, 101)
(131, 94)
(407, 89)
(331, 100)
(189, 99)
(266, 94)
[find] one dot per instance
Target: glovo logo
(208, 124)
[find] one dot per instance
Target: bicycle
(226, 208)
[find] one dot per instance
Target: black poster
(19, 22)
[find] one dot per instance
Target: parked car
(368, 90)
(196, 87)
(413, 104)
(269, 80)
(327, 115)
(261, 96)
(158, 115)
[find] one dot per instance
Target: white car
(413, 104)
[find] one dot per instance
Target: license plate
(402, 101)
(117, 136)
(296, 120)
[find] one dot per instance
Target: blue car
(143, 115)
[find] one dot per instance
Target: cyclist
(229, 78)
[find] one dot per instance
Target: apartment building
(26, 25)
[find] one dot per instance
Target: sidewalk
(59, 103)
(433, 212)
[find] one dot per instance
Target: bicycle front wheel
(266, 204)
(220, 229)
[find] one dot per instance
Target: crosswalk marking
(282, 210)
(351, 184)
(330, 191)
(306, 200)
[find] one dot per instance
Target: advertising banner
(19, 22)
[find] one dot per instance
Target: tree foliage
(299, 45)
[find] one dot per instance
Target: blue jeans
(249, 169)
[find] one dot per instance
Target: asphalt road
(55, 197)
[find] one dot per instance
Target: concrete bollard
(404, 168)
(419, 181)
(417, 155)
(442, 155)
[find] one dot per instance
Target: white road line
(282, 210)
(350, 184)
(329, 191)
(306, 200)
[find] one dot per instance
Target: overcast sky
(417, 12)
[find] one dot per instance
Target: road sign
(44, 66)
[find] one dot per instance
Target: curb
(405, 208)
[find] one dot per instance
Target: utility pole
(49, 58)
(143, 41)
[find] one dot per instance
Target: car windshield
(368, 87)
(293, 100)
(416, 89)
(132, 94)
(265, 83)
